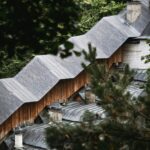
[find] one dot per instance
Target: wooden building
(29, 111)
(48, 79)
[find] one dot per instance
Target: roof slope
(74, 111)
(44, 72)
(111, 32)
(34, 81)
(9, 102)
(145, 2)
(147, 31)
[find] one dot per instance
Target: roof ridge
(55, 65)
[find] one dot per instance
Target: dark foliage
(38, 25)
(33, 27)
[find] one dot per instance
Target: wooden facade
(29, 111)
(117, 57)
(62, 91)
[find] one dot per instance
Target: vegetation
(127, 122)
(94, 10)
(39, 27)
(33, 27)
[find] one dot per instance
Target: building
(111, 35)
(33, 137)
(48, 79)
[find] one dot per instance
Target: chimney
(89, 96)
(55, 115)
(133, 11)
(18, 139)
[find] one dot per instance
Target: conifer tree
(127, 122)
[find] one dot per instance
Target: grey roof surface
(135, 91)
(44, 72)
(34, 81)
(9, 102)
(140, 75)
(37, 78)
(136, 88)
(74, 111)
(18, 90)
(145, 2)
(111, 32)
(146, 32)
(12, 96)
(35, 136)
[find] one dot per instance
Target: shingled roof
(44, 72)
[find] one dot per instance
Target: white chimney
(134, 9)
(18, 139)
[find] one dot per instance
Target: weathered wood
(62, 91)
(29, 111)
(117, 57)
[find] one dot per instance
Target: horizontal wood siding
(29, 111)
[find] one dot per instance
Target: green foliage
(94, 10)
(127, 122)
(39, 27)
(128, 119)
(78, 137)
(148, 82)
(10, 66)
(33, 27)
(88, 117)
(109, 86)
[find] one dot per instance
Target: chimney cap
(134, 9)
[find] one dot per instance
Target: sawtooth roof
(45, 71)
(34, 81)
(112, 32)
